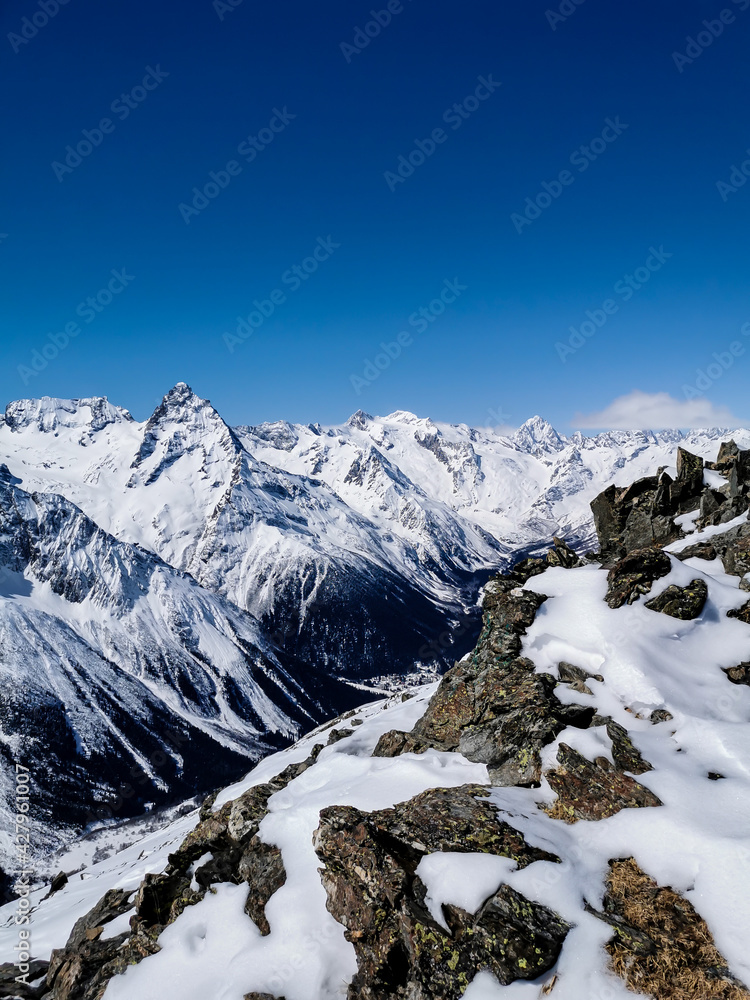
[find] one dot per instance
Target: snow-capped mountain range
(228, 585)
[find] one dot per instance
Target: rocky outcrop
(643, 514)
(371, 860)
(636, 517)
(493, 706)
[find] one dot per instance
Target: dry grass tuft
(686, 964)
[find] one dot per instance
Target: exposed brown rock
(701, 550)
(739, 674)
(593, 790)
(493, 706)
(262, 868)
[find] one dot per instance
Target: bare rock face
(625, 755)
(402, 952)
(593, 790)
(640, 516)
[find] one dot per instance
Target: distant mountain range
(178, 595)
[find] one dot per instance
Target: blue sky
(480, 105)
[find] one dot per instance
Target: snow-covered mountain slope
(328, 581)
(407, 853)
(521, 489)
(361, 548)
(122, 681)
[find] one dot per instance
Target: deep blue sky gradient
(493, 351)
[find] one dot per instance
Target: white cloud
(657, 411)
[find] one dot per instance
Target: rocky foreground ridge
(566, 813)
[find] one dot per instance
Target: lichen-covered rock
(500, 714)
(372, 888)
(685, 603)
(593, 790)
(634, 575)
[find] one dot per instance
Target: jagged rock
(732, 547)
(336, 735)
(593, 790)
(736, 555)
(369, 876)
(684, 603)
(634, 518)
(634, 575)
(498, 715)
(642, 514)
(160, 899)
(625, 755)
(75, 971)
(728, 452)
(690, 470)
(262, 868)
(739, 674)
(561, 554)
(60, 880)
(711, 502)
(662, 947)
(261, 996)
(455, 819)
(82, 969)
(395, 742)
